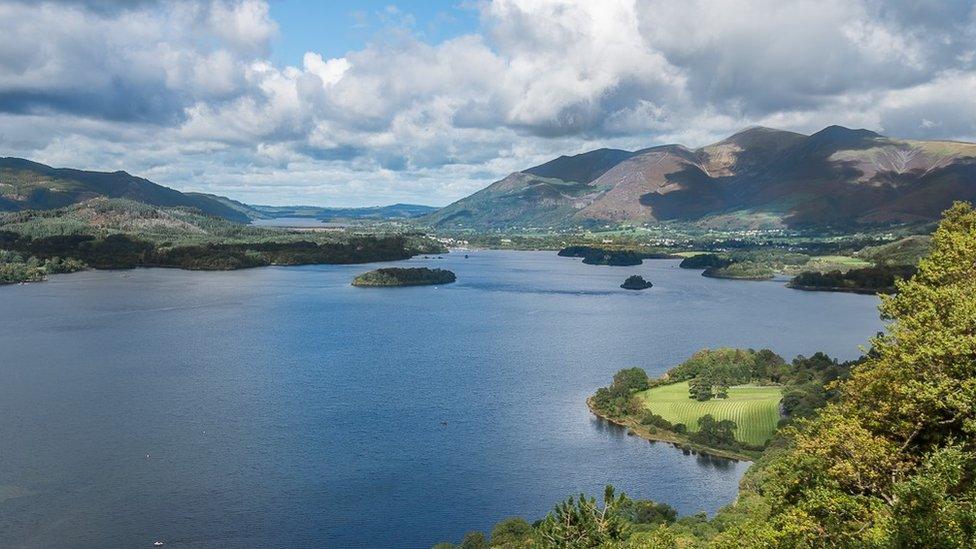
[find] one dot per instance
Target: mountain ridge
(26, 185)
(29, 185)
(835, 177)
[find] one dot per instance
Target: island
(398, 276)
(636, 282)
(613, 257)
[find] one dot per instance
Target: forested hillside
(889, 462)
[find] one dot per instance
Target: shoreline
(744, 278)
(861, 291)
(88, 268)
(662, 435)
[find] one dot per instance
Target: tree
(474, 540)
(630, 380)
(893, 462)
(635, 406)
(659, 538)
(715, 433)
(700, 388)
(512, 532)
(580, 523)
(644, 511)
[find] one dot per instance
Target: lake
(282, 407)
(295, 222)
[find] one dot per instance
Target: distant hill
(760, 177)
(394, 211)
(26, 185)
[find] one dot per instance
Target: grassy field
(838, 262)
(827, 263)
(754, 409)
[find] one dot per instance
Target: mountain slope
(581, 168)
(27, 185)
(761, 176)
(31, 185)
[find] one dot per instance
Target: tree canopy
(891, 464)
(883, 456)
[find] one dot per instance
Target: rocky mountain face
(760, 177)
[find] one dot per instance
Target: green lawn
(827, 263)
(754, 409)
(839, 262)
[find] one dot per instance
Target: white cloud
(184, 92)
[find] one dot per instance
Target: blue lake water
(282, 407)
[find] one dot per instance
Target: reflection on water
(281, 407)
(703, 460)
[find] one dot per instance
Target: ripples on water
(282, 407)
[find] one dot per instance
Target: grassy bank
(681, 441)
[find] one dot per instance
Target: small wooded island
(636, 282)
(613, 257)
(398, 276)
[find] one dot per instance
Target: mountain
(759, 177)
(29, 185)
(246, 210)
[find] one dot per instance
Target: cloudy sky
(364, 103)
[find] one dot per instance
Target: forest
(121, 234)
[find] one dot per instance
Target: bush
(650, 418)
(512, 532)
(630, 380)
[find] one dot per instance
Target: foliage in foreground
(892, 461)
(579, 522)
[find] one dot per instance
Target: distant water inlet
(282, 407)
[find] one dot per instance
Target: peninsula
(723, 402)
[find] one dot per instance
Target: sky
(363, 103)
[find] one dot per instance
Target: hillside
(757, 178)
(26, 185)
(116, 233)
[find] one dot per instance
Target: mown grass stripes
(755, 410)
